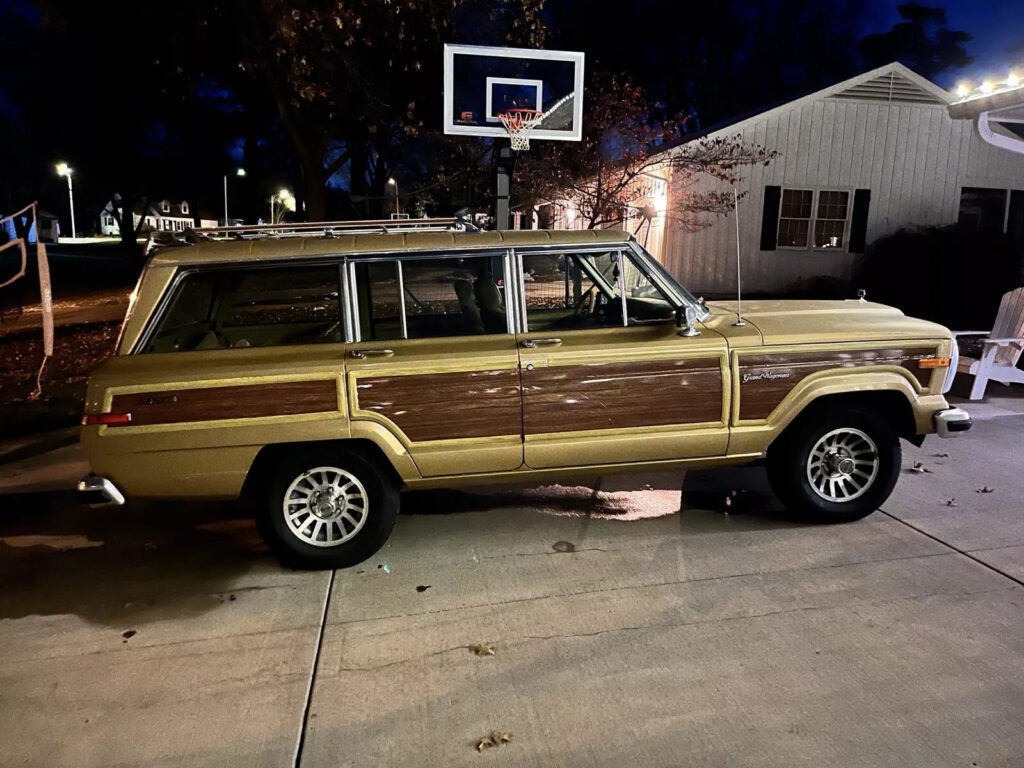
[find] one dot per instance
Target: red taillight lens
(108, 419)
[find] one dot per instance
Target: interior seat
(470, 310)
(492, 310)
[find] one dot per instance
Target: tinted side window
(448, 296)
(265, 307)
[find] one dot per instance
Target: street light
(240, 172)
(392, 182)
(287, 201)
(64, 170)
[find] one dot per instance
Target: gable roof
(891, 83)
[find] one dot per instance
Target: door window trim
(352, 294)
(171, 293)
(630, 249)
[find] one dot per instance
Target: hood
(801, 322)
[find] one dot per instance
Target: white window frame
(165, 207)
(184, 208)
(815, 195)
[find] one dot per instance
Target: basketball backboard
(481, 81)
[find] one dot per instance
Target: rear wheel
(326, 509)
(835, 467)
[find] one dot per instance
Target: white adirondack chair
(1000, 350)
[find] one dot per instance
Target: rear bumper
(952, 422)
(99, 492)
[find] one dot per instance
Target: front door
(435, 363)
(606, 377)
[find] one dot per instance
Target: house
(857, 161)
(160, 216)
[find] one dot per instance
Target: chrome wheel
(325, 506)
(842, 465)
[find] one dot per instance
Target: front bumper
(99, 492)
(952, 422)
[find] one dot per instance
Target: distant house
(160, 216)
(858, 161)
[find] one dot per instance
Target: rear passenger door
(433, 362)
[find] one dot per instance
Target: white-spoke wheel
(843, 465)
(325, 506)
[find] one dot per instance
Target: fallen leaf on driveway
(493, 739)
(940, 455)
(951, 503)
(482, 649)
(984, 489)
(919, 468)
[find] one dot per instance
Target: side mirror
(686, 321)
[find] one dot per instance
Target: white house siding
(912, 156)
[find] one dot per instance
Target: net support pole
(502, 187)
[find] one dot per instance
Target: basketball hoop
(520, 122)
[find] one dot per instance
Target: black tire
(380, 509)
(789, 465)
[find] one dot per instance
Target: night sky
(997, 27)
(178, 143)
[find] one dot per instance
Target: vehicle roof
(274, 249)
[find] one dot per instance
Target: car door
(433, 360)
(606, 376)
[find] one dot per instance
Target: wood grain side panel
(568, 398)
(766, 380)
(232, 402)
(446, 406)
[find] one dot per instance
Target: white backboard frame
(498, 131)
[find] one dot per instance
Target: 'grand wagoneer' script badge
(765, 375)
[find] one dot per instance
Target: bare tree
(606, 177)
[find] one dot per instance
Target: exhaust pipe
(96, 491)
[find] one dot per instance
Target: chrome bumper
(99, 492)
(952, 421)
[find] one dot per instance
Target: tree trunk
(359, 184)
(314, 194)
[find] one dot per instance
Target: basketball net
(520, 122)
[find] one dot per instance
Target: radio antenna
(736, 213)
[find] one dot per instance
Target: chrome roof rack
(333, 228)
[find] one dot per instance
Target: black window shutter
(859, 222)
(770, 218)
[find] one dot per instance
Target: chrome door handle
(534, 343)
(361, 354)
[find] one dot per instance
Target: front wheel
(835, 467)
(326, 509)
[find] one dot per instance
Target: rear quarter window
(237, 308)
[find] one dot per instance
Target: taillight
(107, 419)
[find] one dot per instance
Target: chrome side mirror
(686, 321)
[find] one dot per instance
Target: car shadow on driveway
(737, 498)
(143, 562)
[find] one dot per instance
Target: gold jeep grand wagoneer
(320, 375)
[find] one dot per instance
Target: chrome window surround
(515, 295)
(171, 292)
(619, 259)
(352, 296)
(648, 266)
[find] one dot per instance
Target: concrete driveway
(623, 632)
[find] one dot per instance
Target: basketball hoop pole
(502, 186)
